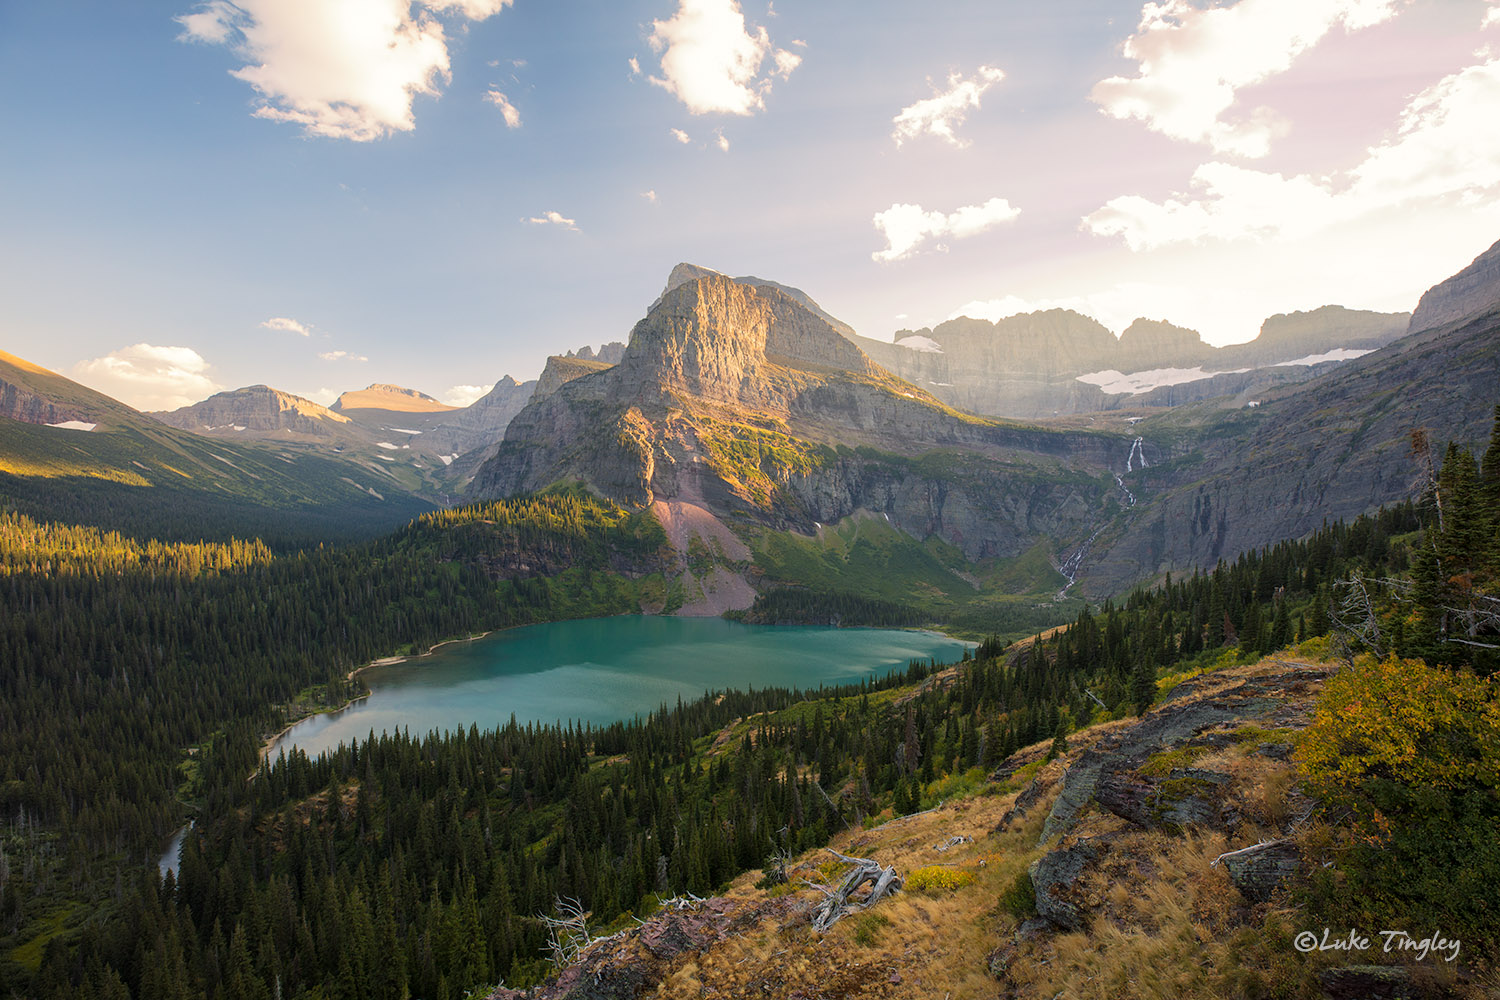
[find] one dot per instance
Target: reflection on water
(604, 669)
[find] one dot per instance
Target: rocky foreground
(1156, 858)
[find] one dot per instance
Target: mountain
(1330, 448)
(260, 412)
(1470, 292)
(737, 404)
(683, 273)
(409, 438)
(106, 464)
(737, 414)
(1059, 362)
(394, 398)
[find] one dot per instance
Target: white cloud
(650, 196)
(711, 59)
(635, 66)
(681, 136)
(940, 114)
(722, 141)
(148, 377)
(907, 227)
(339, 69)
(1193, 61)
(466, 395)
(342, 356)
(323, 395)
(552, 219)
(287, 325)
(507, 110)
(1491, 16)
(1445, 149)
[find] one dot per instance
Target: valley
(193, 581)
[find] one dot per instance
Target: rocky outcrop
(1366, 982)
(560, 370)
(1110, 771)
(1147, 344)
(684, 273)
(16, 403)
(608, 354)
(1259, 871)
(257, 410)
(1057, 880)
(1471, 292)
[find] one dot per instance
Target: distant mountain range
(743, 413)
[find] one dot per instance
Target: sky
(323, 194)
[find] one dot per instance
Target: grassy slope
(865, 555)
(1165, 922)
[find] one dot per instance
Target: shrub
(937, 878)
(1019, 898)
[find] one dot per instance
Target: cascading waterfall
(1069, 568)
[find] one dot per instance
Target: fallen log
(841, 901)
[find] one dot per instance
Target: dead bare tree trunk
(840, 902)
(567, 932)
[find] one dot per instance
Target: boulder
(1055, 879)
(1366, 982)
(1258, 871)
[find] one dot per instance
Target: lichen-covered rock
(1055, 878)
(1258, 871)
(1029, 797)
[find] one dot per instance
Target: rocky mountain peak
(1474, 290)
(1149, 343)
(384, 396)
(711, 336)
(255, 409)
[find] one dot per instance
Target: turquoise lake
(605, 669)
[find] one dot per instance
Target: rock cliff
(739, 399)
(1027, 366)
(396, 398)
(1470, 292)
(258, 410)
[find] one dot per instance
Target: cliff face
(257, 410)
(1026, 366)
(396, 398)
(738, 399)
(1470, 292)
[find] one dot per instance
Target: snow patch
(447, 459)
(945, 384)
(388, 446)
(1337, 354)
(402, 430)
(386, 458)
(74, 425)
(924, 344)
(1116, 382)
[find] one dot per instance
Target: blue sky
(320, 194)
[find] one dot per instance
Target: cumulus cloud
(711, 59)
(1445, 149)
(507, 110)
(287, 325)
(722, 141)
(650, 196)
(338, 69)
(466, 395)
(342, 356)
(907, 227)
(1491, 16)
(681, 136)
(940, 114)
(1192, 61)
(148, 377)
(552, 219)
(635, 66)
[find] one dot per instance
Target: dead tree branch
(840, 902)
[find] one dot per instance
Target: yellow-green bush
(937, 878)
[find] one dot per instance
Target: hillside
(112, 466)
(1335, 447)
